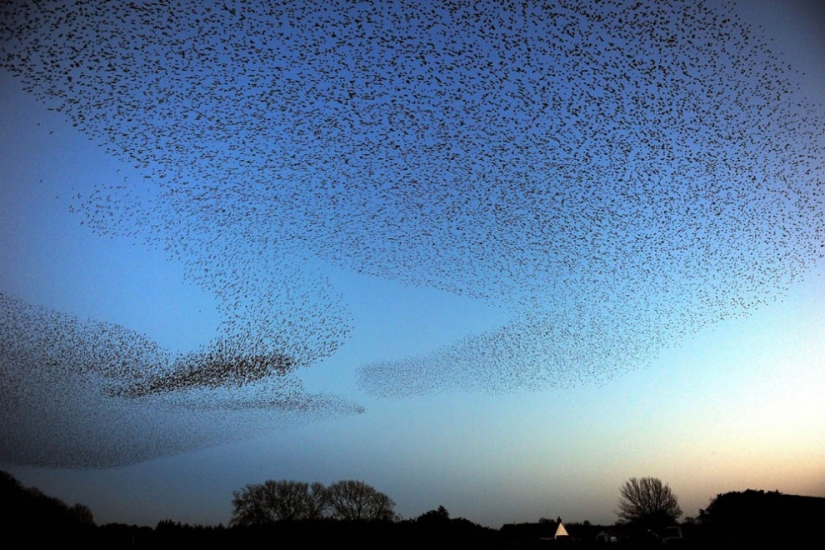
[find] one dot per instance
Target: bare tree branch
(648, 500)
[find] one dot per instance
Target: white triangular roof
(561, 531)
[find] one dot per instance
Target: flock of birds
(618, 175)
(95, 394)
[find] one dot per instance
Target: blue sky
(470, 368)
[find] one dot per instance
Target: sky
(500, 259)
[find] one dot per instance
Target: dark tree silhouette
(258, 504)
(355, 500)
(37, 517)
(441, 515)
(82, 514)
(752, 518)
(648, 502)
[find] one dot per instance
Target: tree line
(39, 517)
(349, 510)
(646, 502)
(272, 501)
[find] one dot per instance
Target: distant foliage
(751, 516)
(648, 502)
(28, 512)
(441, 515)
(82, 514)
(272, 501)
(355, 500)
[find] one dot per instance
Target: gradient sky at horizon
(736, 405)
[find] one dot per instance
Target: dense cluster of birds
(616, 174)
(95, 394)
